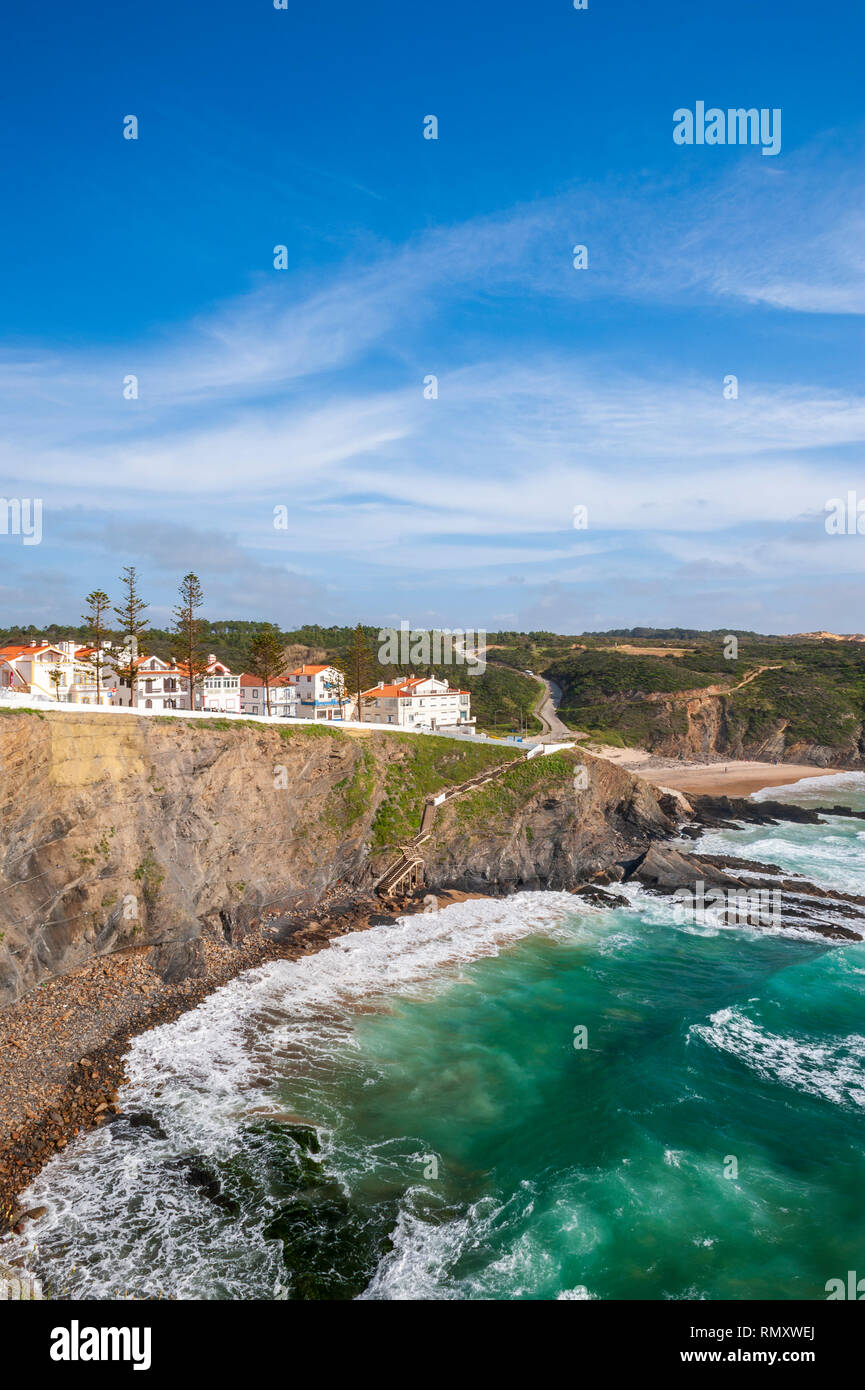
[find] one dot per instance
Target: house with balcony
(159, 685)
(283, 697)
(220, 690)
(320, 692)
(50, 671)
(25, 670)
(164, 685)
(421, 702)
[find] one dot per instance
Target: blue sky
(303, 388)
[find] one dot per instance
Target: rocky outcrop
(555, 834)
(724, 812)
(119, 832)
(746, 892)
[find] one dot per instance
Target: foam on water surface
(483, 1154)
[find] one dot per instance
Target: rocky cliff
(119, 832)
(533, 828)
(706, 726)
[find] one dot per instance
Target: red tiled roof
(391, 692)
(247, 680)
(12, 653)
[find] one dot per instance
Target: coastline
(740, 777)
(64, 1043)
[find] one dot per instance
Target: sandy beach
(712, 779)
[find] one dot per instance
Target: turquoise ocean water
(405, 1115)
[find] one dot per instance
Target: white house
(164, 685)
(220, 690)
(24, 670)
(283, 697)
(320, 692)
(421, 702)
(46, 671)
(159, 686)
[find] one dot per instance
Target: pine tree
(358, 666)
(266, 658)
(98, 604)
(187, 636)
(132, 627)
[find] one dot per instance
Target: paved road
(546, 709)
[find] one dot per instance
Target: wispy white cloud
(308, 394)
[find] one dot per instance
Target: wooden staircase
(406, 872)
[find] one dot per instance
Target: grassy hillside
(818, 692)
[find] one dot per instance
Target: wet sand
(734, 779)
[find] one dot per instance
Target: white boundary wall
(34, 703)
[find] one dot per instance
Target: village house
(283, 697)
(158, 686)
(321, 692)
(220, 690)
(24, 670)
(421, 702)
(164, 685)
(50, 671)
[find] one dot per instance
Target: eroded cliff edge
(119, 832)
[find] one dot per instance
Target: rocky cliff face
(553, 834)
(119, 832)
(700, 728)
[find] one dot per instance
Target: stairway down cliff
(119, 832)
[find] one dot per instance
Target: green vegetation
(292, 731)
(816, 696)
(355, 792)
(428, 766)
(504, 796)
(150, 876)
(825, 706)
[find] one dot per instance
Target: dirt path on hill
(658, 697)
